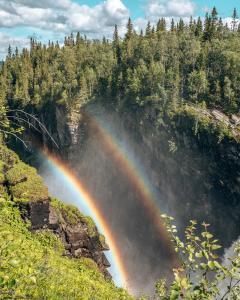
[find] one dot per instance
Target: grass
(32, 263)
(32, 266)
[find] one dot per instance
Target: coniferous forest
(195, 63)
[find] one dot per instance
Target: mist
(146, 256)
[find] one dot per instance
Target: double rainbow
(125, 161)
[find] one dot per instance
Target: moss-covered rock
(2, 175)
(25, 184)
(71, 215)
(3, 191)
(8, 156)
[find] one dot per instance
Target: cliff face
(192, 166)
(80, 238)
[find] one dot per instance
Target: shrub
(201, 275)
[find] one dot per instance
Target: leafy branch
(201, 274)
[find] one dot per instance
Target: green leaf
(11, 283)
(199, 254)
(1, 280)
(216, 247)
(211, 264)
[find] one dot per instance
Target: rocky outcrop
(23, 186)
(78, 239)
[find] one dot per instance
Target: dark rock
(75, 233)
(53, 219)
(105, 261)
(39, 214)
(74, 237)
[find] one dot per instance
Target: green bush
(25, 184)
(200, 274)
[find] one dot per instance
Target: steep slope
(48, 250)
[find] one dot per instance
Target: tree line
(195, 62)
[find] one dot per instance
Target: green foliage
(32, 265)
(190, 63)
(8, 157)
(31, 189)
(200, 275)
(20, 172)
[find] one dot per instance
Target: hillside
(48, 250)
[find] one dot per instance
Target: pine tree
(199, 27)
(234, 19)
(115, 36)
(9, 51)
(214, 21)
(116, 45)
(78, 38)
(214, 14)
(16, 52)
(207, 27)
(172, 28)
(161, 25)
(181, 26)
(153, 30)
(129, 33)
(220, 28)
(191, 25)
(148, 29)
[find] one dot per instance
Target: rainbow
(70, 180)
(127, 162)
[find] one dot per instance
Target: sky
(53, 19)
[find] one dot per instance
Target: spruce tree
(129, 33)
(161, 25)
(172, 28)
(116, 45)
(148, 29)
(214, 21)
(234, 19)
(207, 27)
(199, 27)
(181, 26)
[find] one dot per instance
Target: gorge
(129, 130)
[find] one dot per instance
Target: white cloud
(58, 17)
(41, 4)
(63, 15)
(169, 8)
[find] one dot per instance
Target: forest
(195, 63)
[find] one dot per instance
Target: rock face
(194, 173)
(193, 169)
(75, 236)
(79, 235)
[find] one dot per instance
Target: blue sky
(136, 7)
(53, 19)
(225, 7)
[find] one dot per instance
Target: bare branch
(41, 125)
